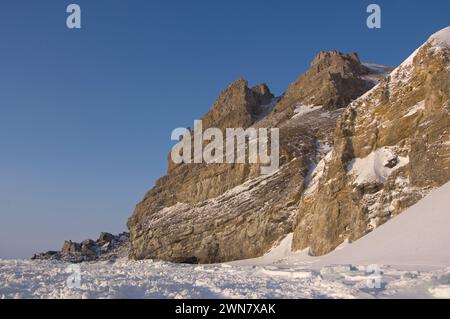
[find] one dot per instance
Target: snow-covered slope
(442, 38)
(419, 238)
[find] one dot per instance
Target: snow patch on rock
(416, 108)
(301, 109)
(441, 38)
(314, 175)
(377, 166)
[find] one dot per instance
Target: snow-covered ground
(148, 279)
(407, 257)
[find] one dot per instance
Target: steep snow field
(417, 239)
(407, 257)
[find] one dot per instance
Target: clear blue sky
(86, 115)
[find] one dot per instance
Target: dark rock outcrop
(107, 247)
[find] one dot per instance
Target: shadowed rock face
(392, 146)
(220, 212)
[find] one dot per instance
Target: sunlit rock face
(201, 213)
(391, 147)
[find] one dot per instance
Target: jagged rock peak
(262, 90)
(335, 61)
(238, 105)
(333, 80)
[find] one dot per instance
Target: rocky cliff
(220, 212)
(391, 147)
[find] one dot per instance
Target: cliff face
(349, 162)
(221, 212)
(391, 147)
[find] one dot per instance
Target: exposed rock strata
(392, 146)
(220, 212)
